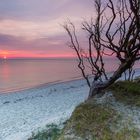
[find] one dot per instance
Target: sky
(32, 28)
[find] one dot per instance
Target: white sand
(24, 112)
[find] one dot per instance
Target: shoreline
(27, 111)
(47, 84)
(51, 83)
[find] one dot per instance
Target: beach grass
(90, 121)
(52, 132)
(127, 92)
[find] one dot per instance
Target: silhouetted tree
(116, 33)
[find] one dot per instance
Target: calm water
(21, 74)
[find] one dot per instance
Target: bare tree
(114, 33)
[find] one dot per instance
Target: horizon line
(9, 58)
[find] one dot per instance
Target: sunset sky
(32, 28)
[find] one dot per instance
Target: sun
(5, 57)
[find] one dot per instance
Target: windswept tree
(114, 33)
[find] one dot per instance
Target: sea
(20, 74)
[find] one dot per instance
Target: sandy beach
(27, 111)
(30, 110)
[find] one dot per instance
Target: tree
(114, 33)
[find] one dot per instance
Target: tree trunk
(99, 87)
(96, 88)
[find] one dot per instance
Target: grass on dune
(52, 132)
(90, 121)
(127, 92)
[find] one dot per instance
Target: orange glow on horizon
(26, 54)
(4, 54)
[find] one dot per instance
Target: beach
(30, 110)
(27, 111)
